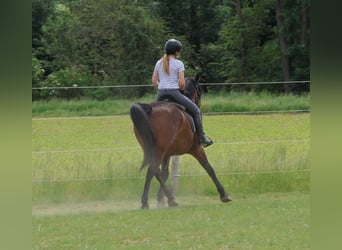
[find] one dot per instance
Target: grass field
(266, 221)
(98, 158)
(86, 186)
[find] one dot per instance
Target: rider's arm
(155, 79)
(181, 80)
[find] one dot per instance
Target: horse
(163, 129)
(193, 91)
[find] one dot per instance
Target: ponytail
(166, 64)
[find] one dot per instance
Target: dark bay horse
(163, 130)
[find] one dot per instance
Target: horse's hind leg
(144, 198)
(171, 200)
(164, 175)
(200, 155)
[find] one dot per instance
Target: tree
(293, 34)
(263, 41)
(285, 63)
(244, 39)
(117, 41)
(41, 10)
(60, 44)
(198, 21)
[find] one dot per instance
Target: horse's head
(193, 90)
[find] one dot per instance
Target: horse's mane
(190, 87)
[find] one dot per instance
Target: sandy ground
(75, 208)
(109, 206)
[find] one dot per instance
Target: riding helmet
(172, 46)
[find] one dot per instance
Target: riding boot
(205, 141)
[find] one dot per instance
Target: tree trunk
(304, 22)
(244, 65)
(285, 63)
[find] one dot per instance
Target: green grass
(243, 144)
(267, 221)
(233, 102)
(237, 102)
(86, 184)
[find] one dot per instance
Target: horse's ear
(198, 76)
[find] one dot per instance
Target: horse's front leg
(200, 155)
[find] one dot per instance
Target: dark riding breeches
(189, 105)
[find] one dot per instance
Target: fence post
(174, 173)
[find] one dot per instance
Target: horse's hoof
(172, 204)
(144, 207)
(226, 198)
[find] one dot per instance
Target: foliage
(58, 41)
(115, 37)
(118, 42)
(244, 39)
(67, 77)
(37, 72)
(41, 10)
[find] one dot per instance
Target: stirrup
(206, 141)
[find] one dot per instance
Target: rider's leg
(191, 108)
(204, 139)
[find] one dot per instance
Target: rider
(168, 77)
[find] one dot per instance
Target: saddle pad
(182, 108)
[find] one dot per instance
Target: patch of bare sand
(108, 206)
(83, 207)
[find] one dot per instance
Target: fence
(137, 148)
(150, 85)
(102, 150)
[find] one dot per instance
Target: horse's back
(171, 127)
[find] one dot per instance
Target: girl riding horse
(168, 77)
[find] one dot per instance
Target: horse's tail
(142, 124)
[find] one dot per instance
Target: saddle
(170, 99)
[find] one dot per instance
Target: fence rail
(284, 171)
(204, 113)
(150, 85)
(137, 147)
(279, 171)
